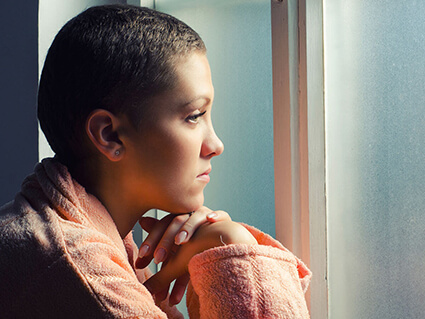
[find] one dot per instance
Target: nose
(212, 145)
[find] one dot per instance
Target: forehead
(192, 89)
(193, 78)
(193, 83)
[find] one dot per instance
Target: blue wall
(18, 87)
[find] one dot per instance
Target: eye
(194, 119)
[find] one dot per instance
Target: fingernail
(180, 237)
(212, 215)
(143, 251)
(159, 256)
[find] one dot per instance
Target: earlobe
(102, 130)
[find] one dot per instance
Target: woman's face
(168, 160)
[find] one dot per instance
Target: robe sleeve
(248, 281)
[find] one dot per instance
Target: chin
(190, 206)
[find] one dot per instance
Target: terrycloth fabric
(61, 256)
(248, 281)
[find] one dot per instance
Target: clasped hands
(175, 239)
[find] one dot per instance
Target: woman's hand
(164, 238)
(207, 236)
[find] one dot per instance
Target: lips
(205, 175)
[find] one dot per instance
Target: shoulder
(28, 239)
(36, 271)
(29, 252)
(25, 230)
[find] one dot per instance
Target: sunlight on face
(169, 160)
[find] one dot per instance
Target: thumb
(177, 265)
(162, 279)
(173, 268)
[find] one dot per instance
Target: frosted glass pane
(375, 122)
(237, 34)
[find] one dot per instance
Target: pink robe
(61, 256)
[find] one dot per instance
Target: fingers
(178, 289)
(207, 236)
(156, 230)
(198, 218)
(176, 266)
(167, 242)
(177, 292)
(160, 281)
(161, 295)
(173, 268)
(172, 230)
(148, 223)
(218, 215)
(160, 241)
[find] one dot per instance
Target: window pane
(375, 97)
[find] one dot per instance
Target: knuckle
(188, 226)
(153, 237)
(150, 240)
(223, 213)
(205, 210)
(181, 219)
(165, 243)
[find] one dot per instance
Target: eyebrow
(200, 97)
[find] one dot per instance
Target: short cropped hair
(113, 57)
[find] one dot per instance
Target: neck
(108, 190)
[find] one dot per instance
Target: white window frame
(299, 139)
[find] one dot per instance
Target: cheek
(183, 158)
(174, 156)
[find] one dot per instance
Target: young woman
(125, 101)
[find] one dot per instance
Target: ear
(102, 129)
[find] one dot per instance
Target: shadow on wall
(18, 90)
